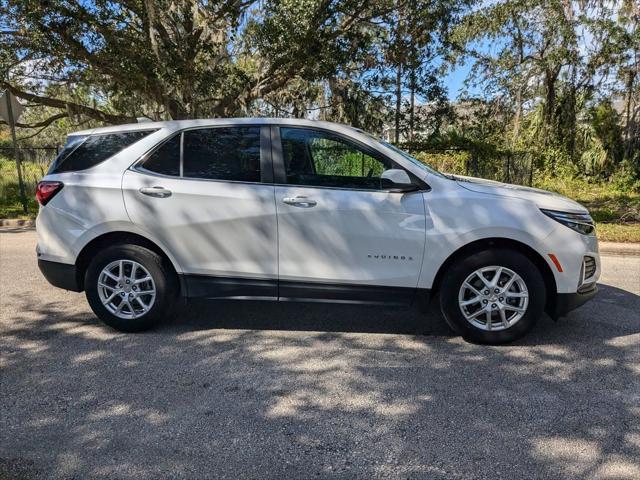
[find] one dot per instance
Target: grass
(615, 232)
(616, 211)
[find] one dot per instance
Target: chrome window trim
(368, 190)
(144, 171)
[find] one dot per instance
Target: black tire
(164, 278)
(461, 269)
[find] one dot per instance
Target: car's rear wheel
(493, 296)
(130, 288)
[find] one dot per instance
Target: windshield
(412, 159)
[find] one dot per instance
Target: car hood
(542, 198)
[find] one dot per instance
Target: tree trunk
(398, 100)
(413, 104)
(176, 110)
(550, 77)
(520, 83)
(571, 116)
(399, 52)
(518, 114)
(628, 123)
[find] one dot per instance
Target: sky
(454, 81)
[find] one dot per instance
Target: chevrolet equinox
(284, 209)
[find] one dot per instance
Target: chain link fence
(509, 167)
(34, 163)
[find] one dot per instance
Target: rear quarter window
(166, 159)
(82, 152)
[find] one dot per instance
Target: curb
(17, 222)
(614, 248)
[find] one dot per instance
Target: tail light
(47, 190)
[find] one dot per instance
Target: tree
(416, 41)
(174, 58)
(534, 41)
(619, 61)
(552, 61)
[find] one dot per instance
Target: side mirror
(397, 181)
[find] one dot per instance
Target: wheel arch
(115, 238)
(498, 242)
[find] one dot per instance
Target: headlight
(579, 222)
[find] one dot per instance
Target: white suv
(283, 209)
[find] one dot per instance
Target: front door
(340, 235)
(200, 194)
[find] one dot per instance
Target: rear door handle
(300, 201)
(157, 191)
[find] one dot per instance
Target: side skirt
(204, 286)
(345, 293)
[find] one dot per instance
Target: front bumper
(570, 249)
(565, 302)
(61, 275)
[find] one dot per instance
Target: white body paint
(236, 229)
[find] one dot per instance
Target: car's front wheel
(493, 296)
(130, 288)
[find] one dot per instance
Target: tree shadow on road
(259, 390)
(301, 316)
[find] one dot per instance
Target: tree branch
(62, 104)
(44, 123)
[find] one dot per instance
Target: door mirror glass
(397, 180)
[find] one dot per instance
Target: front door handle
(157, 191)
(300, 201)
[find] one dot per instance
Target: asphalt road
(257, 390)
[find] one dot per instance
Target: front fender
(457, 218)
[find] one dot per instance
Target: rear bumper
(565, 302)
(61, 275)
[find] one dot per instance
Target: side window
(93, 150)
(222, 153)
(316, 158)
(166, 159)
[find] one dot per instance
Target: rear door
(342, 236)
(206, 194)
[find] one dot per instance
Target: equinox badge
(389, 257)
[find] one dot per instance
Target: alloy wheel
(126, 289)
(493, 298)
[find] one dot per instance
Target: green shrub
(10, 204)
(448, 161)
